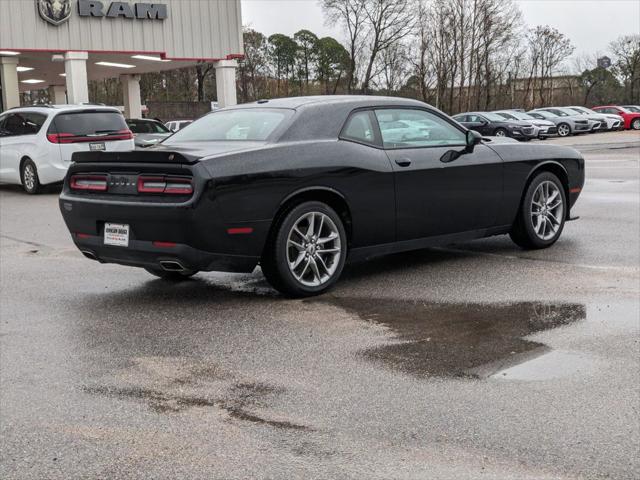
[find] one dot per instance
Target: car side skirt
(365, 253)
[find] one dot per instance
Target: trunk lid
(168, 153)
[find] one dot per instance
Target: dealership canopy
(61, 44)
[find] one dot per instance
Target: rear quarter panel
(252, 186)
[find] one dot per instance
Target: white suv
(36, 143)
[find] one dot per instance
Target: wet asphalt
(477, 360)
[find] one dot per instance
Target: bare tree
(627, 65)
(388, 22)
(351, 14)
(549, 48)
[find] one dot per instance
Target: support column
(58, 94)
(131, 96)
(226, 82)
(75, 67)
(9, 79)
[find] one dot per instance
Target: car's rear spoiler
(135, 156)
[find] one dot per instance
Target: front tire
(501, 132)
(542, 213)
(29, 177)
(635, 125)
(564, 130)
(306, 251)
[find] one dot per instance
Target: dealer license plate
(116, 234)
(97, 147)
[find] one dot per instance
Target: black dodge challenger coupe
(301, 185)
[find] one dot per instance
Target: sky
(590, 24)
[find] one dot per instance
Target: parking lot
(478, 360)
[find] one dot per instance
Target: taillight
(60, 137)
(170, 185)
(96, 183)
(124, 134)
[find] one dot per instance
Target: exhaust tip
(172, 266)
(89, 254)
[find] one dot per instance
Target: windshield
(581, 111)
(564, 112)
(494, 117)
(246, 124)
(141, 126)
(507, 115)
(545, 114)
(521, 116)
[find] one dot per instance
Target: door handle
(403, 162)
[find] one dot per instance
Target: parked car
(630, 119)
(546, 128)
(492, 124)
(147, 132)
(177, 125)
(300, 185)
(566, 125)
(594, 124)
(632, 108)
(36, 143)
(611, 122)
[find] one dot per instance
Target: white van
(36, 143)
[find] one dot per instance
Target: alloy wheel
(313, 249)
(547, 210)
(636, 124)
(29, 177)
(564, 130)
(501, 133)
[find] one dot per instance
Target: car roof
(323, 100)
(47, 109)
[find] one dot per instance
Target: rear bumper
(145, 254)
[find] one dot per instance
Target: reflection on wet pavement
(473, 340)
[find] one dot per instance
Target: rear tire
(306, 250)
(29, 177)
(171, 276)
(542, 213)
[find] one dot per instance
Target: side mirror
(473, 138)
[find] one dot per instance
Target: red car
(631, 119)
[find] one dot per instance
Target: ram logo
(54, 11)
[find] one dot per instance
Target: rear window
(147, 127)
(254, 124)
(88, 123)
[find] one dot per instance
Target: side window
(359, 128)
(461, 118)
(33, 123)
(14, 124)
(416, 128)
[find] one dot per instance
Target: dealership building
(61, 44)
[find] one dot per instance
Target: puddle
(554, 364)
(473, 340)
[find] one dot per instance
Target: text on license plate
(97, 147)
(116, 234)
